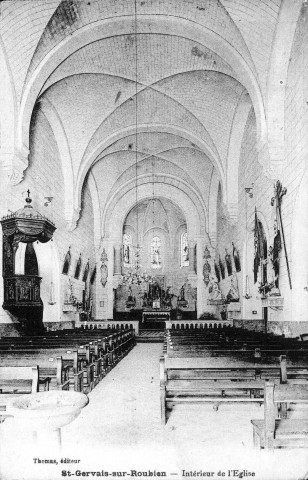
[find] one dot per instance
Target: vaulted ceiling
(155, 84)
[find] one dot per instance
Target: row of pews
(63, 360)
(235, 365)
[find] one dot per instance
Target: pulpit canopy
(28, 224)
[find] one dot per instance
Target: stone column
(117, 258)
(104, 293)
(201, 287)
(191, 256)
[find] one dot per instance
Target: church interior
(154, 194)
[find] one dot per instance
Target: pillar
(201, 287)
(191, 256)
(117, 258)
(104, 294)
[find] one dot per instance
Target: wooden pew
(273, 432)
(80, 367)
(193, 348)
(197, 380)
(53, 368)
(21, 380)
(69, 362)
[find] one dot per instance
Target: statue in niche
(182, 293)
(131, 300)
(206, 272)
(215, 293)
(174, 301)
(233, 294)
(156, 291)
(145, 299)
(182, 302)
(228, 263)
(167, 297)
(236, 258)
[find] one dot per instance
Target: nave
(121, 430)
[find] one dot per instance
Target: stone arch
(66, 161)
(212, 230)
(13, 161)
(96, 209)
(277, 79)
(123, 25)
(84, 167)
(125, 198)
(234, 153)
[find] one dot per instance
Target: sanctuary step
(150, 336)
(153, 325)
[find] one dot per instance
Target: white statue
(233, 294)
(215, 293)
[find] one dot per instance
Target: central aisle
(121, 430)
(122, 424)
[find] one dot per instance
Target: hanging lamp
(134, 274)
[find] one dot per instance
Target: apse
(156, 225)
(155, 241)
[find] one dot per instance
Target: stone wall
(44, 179)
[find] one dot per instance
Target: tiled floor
(121, 430)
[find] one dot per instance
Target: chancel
(154, 195)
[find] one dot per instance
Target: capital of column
(233, 212)
(14, 162)
(191, 243)
(71, 215)
(117, 245)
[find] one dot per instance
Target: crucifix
(279, 192)
(28, 199)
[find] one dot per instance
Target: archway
(155, 279)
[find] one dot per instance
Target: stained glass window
(156, 252)
(127, 250)
(184, 250)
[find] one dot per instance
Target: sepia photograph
(154, 239)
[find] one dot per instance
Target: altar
(156, 315)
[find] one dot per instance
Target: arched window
(228, 263)
(184, 250)
(127, 250)
(67, 262)
(217, 271)
(156, 252)
(222, 268)
(78, 267)
(236, 258)
(93, 275)
(86, 272)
